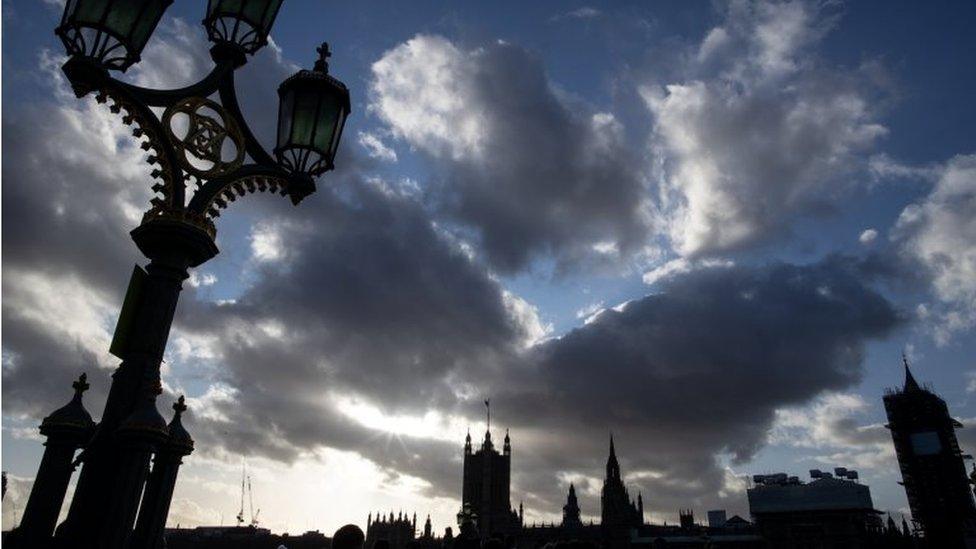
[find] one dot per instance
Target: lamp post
(198, 140)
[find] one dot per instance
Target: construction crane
(250, 497)
(246, 488)
(240, 514)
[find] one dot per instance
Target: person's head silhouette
(348, 537)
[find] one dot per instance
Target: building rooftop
(823, 494)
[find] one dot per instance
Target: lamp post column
(116, 460)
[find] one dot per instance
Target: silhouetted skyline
(712, 229)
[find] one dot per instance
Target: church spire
(910, 384)
(613, 468)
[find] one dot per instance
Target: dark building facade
(241, 537)
(486, 487)
(397, 530)
(932, 468)
(827, 512)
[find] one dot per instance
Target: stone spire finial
(180, 405)
(910, 383)
(81, 385)
(71, 416)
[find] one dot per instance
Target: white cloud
(421, 89)
(52, 302)
(266, 242)
(971, 384)
(763, 139)
(682, 265)
(526, 315)
(882, 166)
(197, 280)
(533, 170)
(868, 236)
(831, 423)
(375, 147)
(940, 233)
(584, 13)
(590, 310)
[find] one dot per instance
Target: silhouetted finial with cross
(180, 405)
(81, 385)
(322, 65)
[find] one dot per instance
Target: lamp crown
(322, 63)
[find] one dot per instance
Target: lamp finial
(322, 64)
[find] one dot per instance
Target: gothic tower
(931, 463)
(571, 511)
(618, 512)
(486, 488)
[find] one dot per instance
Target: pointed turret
(571, 511)
(507, 449)
(467, 442)
(910, 383)
(427, 528)
(640, 506)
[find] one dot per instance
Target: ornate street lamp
(244, 23)
(112, 32)
(312, 111)
(201, 140)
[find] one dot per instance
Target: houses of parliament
(487, 510)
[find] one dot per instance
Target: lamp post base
(114, 470)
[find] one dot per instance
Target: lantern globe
(313, 107)
(244, 23)
(111, 32)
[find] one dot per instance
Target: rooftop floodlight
(111, 32)
(312, 110)
(244, 23)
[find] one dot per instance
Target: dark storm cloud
(531, 169)
(681, 376)
(699, 369)
(371, 299)
(370, 302)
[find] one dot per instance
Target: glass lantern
(245, 23)
(312, 112)
(112, 32)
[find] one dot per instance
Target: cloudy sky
(712, 228)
